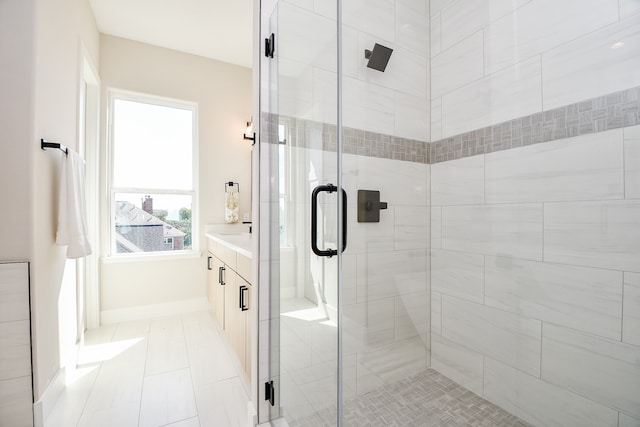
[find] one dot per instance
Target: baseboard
(287, 292)
(280, 422)
(43, 407)
(251, 414)
(141, 312)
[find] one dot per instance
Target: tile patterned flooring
(426, 399)
(181, 372)
(177, 371)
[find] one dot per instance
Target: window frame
(112, 190)
(287, 197)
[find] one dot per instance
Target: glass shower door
(339, 332)
(301, 124)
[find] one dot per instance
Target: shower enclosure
(452, 236)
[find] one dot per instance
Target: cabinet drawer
(226, 255)
(212, 246)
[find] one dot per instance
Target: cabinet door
(212, 281)
(242, 323)
(230, 303)
(246, 321)
(220, 292)
(215, 288)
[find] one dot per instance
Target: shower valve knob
(369, 206)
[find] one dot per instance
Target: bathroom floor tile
(156, 372)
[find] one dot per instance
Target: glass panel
(152, 222)
(302, 122)
(152, 146)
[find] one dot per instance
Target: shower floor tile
(424, 399)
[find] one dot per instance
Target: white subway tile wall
(457, 66)
(458, 363)
(607, 371)
(539, 402)
(631, 309)
(458, 274)
(503, 230)
(580, 168)
(558, 76)
(498, 334)
(632, 162)
(461, 183)
(579, 56)
(436, 119)
(531, 29)
(507, 94)
(436, 313)
(568, 260)
(629, 7)
(604, 234)
(593, 65)
(627, 421)
(586, 299)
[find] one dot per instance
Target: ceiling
(217, 29)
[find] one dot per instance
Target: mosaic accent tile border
(311, 134)
(424, 399)
(612, 111)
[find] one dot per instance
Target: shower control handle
(369, 206)
(329, 188)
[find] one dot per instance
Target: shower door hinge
(270, 46)
(269, 392)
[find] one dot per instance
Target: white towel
(231, 207)
(72, 212)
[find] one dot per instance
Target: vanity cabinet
(229, 294)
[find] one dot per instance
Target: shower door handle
(329, 188)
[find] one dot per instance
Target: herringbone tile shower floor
(425, 399)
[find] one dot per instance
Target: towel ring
(229, 184)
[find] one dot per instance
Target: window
(152, 182)
(284, 191)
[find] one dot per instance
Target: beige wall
(39, 44)
(16, 85)
(62, 27)
(223, 94)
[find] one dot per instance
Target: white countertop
(241, 243)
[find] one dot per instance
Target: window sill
(151, 257)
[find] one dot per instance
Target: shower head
(378, 57)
